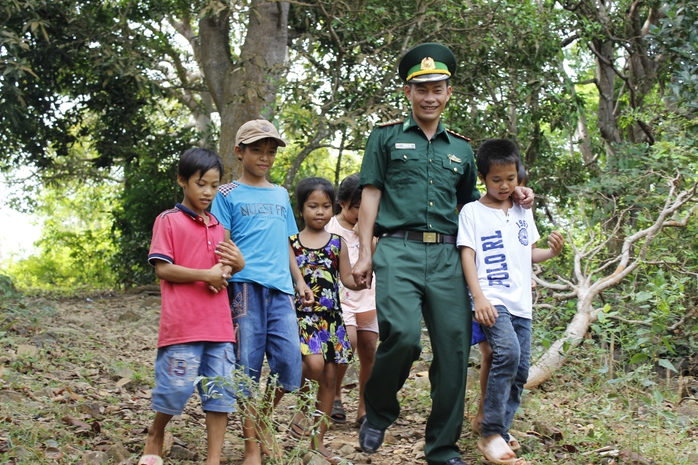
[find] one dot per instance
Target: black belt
(420, 236)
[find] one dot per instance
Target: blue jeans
(510, 339)
(265, 323)
(176, 368)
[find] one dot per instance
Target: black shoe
(455, 461)
(370, 437)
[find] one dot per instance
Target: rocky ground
(75, 389)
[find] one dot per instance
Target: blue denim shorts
(176, 368)
(266, 324)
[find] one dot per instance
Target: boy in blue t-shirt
(258, 217)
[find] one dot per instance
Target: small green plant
(7, 287)
(258, 400)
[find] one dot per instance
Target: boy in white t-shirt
(497, 240)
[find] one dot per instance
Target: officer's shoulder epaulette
(461, 136)
(389, 123)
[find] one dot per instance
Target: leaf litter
(76, 378)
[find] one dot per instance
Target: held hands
(217, 277)
(363, 272)
(524, 196)
(556, 242)
(485, 313)
(230, 255)
(305, 294)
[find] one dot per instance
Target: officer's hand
(524, 196)
(363, 272)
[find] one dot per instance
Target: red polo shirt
(191, 312)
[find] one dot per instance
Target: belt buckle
(429, 237)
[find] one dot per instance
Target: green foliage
(75, 249)
(72, 70)
(151, 188)
(677, 36)
(319, 163)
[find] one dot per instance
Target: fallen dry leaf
(72, 421)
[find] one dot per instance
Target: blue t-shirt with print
(260, 221)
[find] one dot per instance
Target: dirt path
(76, 374)
(89, 373)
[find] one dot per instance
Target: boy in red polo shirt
(196, 330)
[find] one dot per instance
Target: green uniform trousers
(415, 280)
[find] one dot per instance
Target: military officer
(415, 176)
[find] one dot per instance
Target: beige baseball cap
(257, 129)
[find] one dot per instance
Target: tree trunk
(557, 353)
(246, 89)
(606, 81)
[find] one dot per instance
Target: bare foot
(476, 423)
(252, 454)
(269, 446)
(153, 443)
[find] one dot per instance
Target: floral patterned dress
(322, 329)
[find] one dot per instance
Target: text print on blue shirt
(255, 209)
(492, 247)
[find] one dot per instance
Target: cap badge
(428, 63)
(266, 128)
(454, 158)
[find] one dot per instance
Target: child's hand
(217, 277)
(230, 255)
(227, 274)
(556, 242)
(305, 294)
(485, 313)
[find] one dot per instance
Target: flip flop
(514, 443)
(338, 414)
(298, 431)
(495, 449)
(151, 460)
(330, 456)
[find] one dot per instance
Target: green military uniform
(418, 273)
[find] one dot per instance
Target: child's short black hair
(309, 185)
(349, 192)
(522, 175)
(497, 152)
(200, 160)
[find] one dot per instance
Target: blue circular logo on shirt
(523, 236)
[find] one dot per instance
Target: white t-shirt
(502, 244)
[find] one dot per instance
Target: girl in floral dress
(322, 258)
